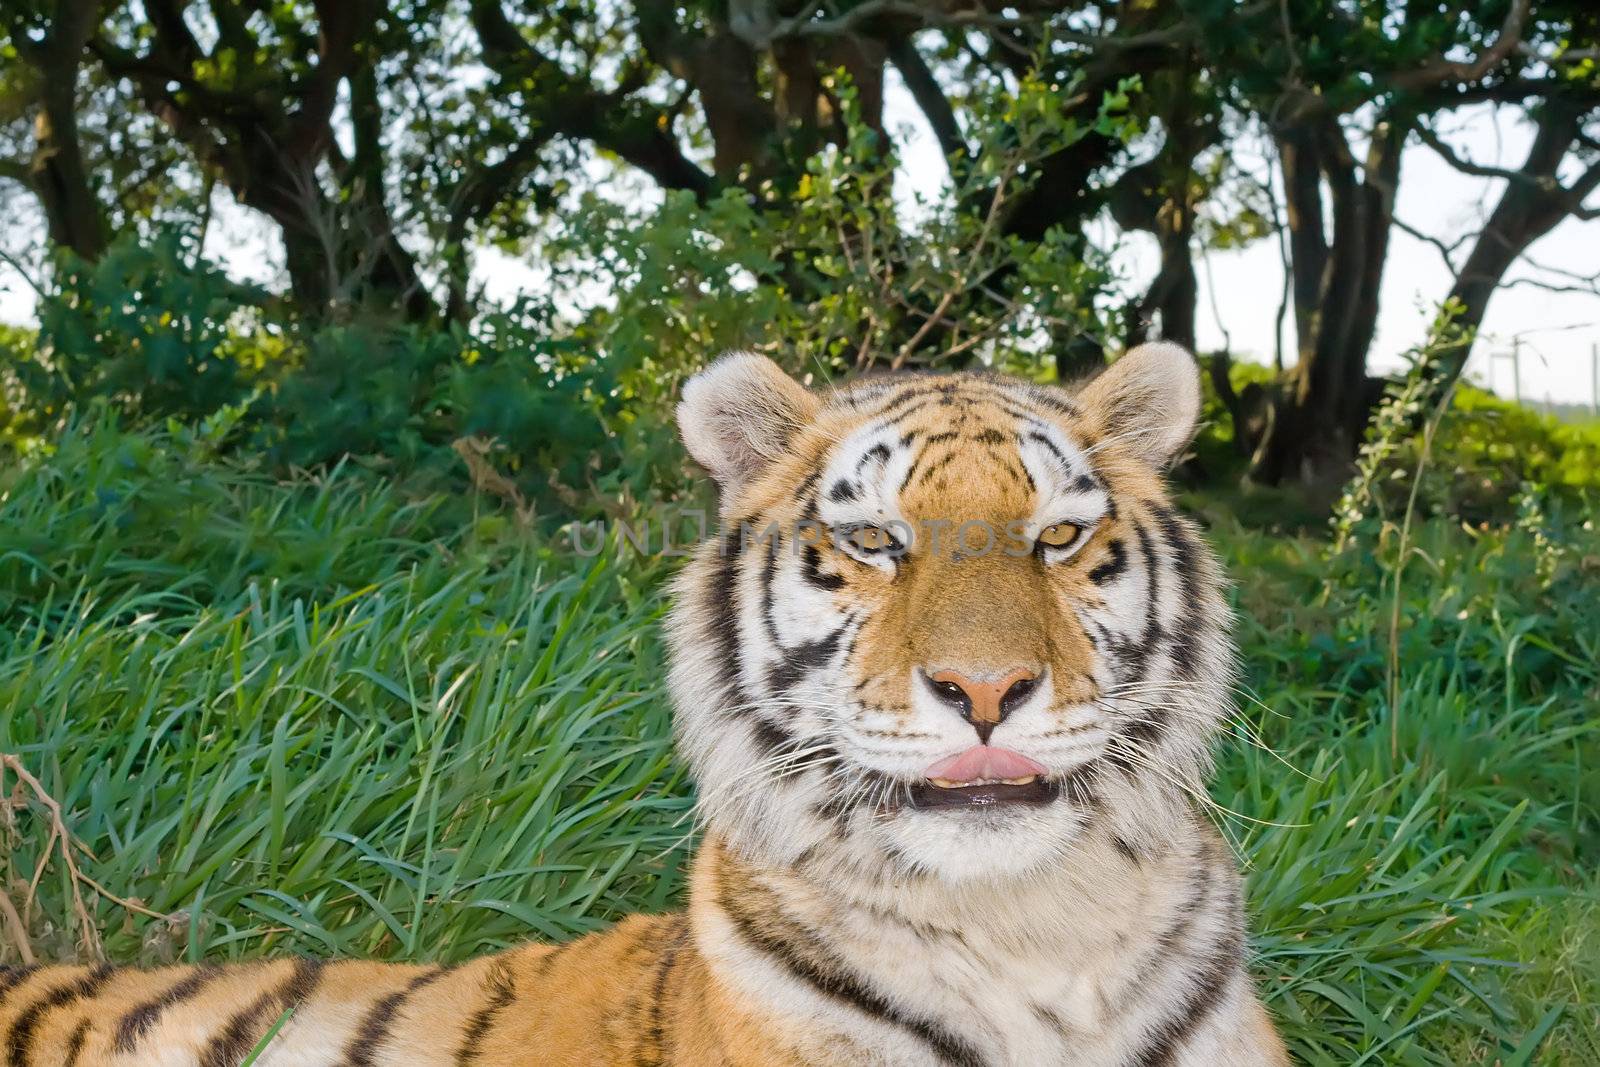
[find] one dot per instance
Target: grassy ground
(327, 716)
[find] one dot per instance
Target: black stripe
(20, 1036)
(901, 417)
(1015, 471)
(1115, 564)
(1152, 608)
(241, 1033)
(1185, 636)
(810, 483)
(137, 1022)
(12, 977)
(1130, 656)
(911, 471)
(1066, 465)
(80, 1033)
(1167, 1039)
(831, 977)
(800, 659)
(1022, 413)
(724, 609)
(769, 573)
(843, 491)
(811, 570)
(914, 392)
(1171, 941)
(769, 736)
(1059, 404)
(374, 1029)
(500, 984)
(878, 453)
(943, 462)
(658, 994)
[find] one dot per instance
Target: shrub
(150, 327)
(150, 334)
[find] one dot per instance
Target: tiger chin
(947, 681)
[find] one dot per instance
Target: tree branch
(1569, 55)
(572, 107)
(1443, 70)
(1446, 251)
(1480, 170)
(1589, 288)
(341, 25)
(930, 98)
(172, 33)
(757, 23)
(1579, 191)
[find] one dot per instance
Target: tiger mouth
(1032, 791)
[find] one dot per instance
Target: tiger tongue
(984, 763)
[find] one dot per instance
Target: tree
(1345, 95)
(387, 140)
(697, 96)
(48, 41)
(256, 111)
(1537, 195)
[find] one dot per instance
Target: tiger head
(951, 624)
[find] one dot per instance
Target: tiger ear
(1149, 401)
(739, 414)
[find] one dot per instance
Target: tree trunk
(374, 248)
(1159, 198)
(57, 173)
(723, 69)
(1533, 204)
(1319, 417)
(1166, 311)
(267, 149)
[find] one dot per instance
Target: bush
(1488, 449)
(150, 334)
(843, 277)
(149, 327)
(21, 419)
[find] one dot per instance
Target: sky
(1550, 338)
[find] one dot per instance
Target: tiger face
(950, 621)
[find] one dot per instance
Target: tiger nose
(985, 704)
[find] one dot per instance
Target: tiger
(947, 680)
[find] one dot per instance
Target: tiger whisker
(1144, 759)
(1232, 718)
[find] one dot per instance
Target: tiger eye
(871, 538)
(1059, 535)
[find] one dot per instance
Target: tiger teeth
(950, 783)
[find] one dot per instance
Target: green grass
(1427, 893)
(300, 717)
(339, 716)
